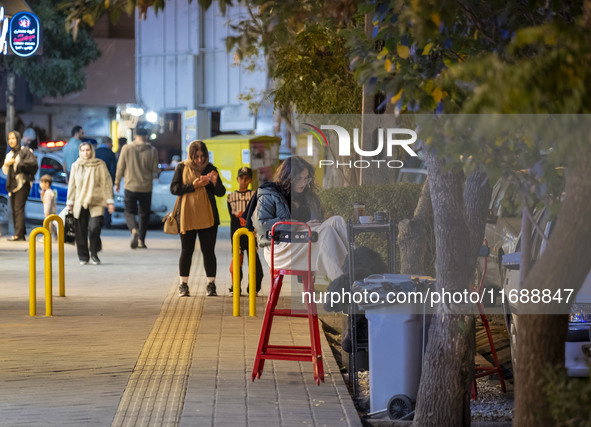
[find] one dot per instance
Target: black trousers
(88, 228)
(207, 239)
(132, 200)
(259, 267)
(18, 200)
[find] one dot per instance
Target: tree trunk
(448, 369)
(414, 236)
(564, 264)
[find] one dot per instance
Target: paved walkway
(123, 349)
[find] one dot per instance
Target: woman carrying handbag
(197, 182)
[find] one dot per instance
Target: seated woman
(292, 197)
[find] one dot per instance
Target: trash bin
(397, 336)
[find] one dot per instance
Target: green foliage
(569, 399)
(59, 69)
(399, 199)
(89, 12)
(493, 57)
(314, 74)
(305, 54)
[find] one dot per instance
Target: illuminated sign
(24, 34)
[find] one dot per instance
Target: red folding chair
(265, 351)
(483, 371)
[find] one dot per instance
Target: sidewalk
(123, 349)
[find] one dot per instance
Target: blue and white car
(50, 163)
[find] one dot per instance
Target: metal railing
(60, 249)
(47, 255)
(33, 271)
(252, 293)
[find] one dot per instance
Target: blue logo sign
(25, 34)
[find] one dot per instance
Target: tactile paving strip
(156, 389)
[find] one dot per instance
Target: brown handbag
(171, 220)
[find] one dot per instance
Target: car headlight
(580, 313)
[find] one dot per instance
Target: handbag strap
(176, 205)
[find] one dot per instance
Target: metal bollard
(60, 248)
(252, 294)
(33, 271)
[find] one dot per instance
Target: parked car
(503, 225)
(162, 200)
(50, 163)
(503, 235)
(578, 341)
(416, 176)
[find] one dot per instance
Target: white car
(162, 201)
(578, 341)
(414, 175)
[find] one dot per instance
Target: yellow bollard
(60, 249)
(252, 294)
(33, 271)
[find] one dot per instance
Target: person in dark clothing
(105, 153)
(20, 166)
(237, 202)
(121, 142)
(197, 182)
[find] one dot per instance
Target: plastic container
(397, 335)
(395, 354)
(358, 210)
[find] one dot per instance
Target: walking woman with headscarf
(20, 167)
(90, 189)
(197, 182)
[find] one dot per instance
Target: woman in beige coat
(90, 189)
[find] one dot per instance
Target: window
(53, 167)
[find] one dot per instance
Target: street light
(151, 116)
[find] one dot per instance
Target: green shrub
(569, 399)
(399, 199)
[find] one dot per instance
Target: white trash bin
(396, 339)
(395, 355)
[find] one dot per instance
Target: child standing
(237, 202)
(48, 199)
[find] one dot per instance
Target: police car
(50, 160)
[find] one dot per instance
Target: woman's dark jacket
(28, 166)
(178, 188)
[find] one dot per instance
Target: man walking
(137, 165)
(70, 150)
